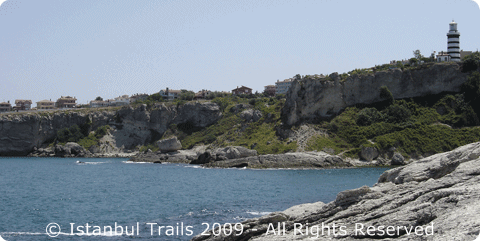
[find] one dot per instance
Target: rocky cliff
(21, 133)
(311, 99)
(436, 198)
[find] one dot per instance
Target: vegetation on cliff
(415, 127)
(234, 129)
(81, 135)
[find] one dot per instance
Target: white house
(443, 57)
(121, 100)
(99, 103)
(281, 87)
(168, 94)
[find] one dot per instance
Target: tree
(385, 94)
(187, 95)
(417, 54)
(99, 98)
(471, 62)
(471, 88)
(413, 61)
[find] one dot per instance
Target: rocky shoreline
(435, 198)
(241, 157)
(225, 157)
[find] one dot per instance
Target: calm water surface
(35, 192)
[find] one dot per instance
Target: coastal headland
(385, 116)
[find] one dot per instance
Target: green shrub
(385, 94)
(318, 143)
(397, 113)
(471, 62)
(428, 139)
(70, 134)
(93, 138)
(369, 116)
(471, 88)
(150, 146)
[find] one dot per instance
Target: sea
(115, 199)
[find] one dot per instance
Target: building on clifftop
(66, 102)
(45, 105)
(281, 87)
(168, 94)
(5, 106)
(270, 90)
(241, 90)
(23, 105)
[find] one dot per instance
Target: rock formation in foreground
(438, 197)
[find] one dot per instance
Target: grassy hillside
(232, 129)
(414, 127)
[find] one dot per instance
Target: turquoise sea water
(104, 192)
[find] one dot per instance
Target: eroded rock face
(198, 114)
(440, 194)
(310, 99)
(169, 145)
(106, 145)
(21, 133)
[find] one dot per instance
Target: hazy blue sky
(109, 48)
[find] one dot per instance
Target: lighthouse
(453, 37)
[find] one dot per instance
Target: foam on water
(130, 162)
(258, 213)
(89, 163)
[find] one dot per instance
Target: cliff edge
(21, 133)
(310, 99)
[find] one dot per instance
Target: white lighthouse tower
(453, 37)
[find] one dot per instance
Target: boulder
(203, 158)
(232, 153)
(43, 152)
(180, 156)
(223, 154)
(369, 153)
(251, 115)
(397, 159)
(70, 149)
(169, 145)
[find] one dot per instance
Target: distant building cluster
(64, 102)
(117, 101)
(453, 53)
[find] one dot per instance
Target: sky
(108, 48)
